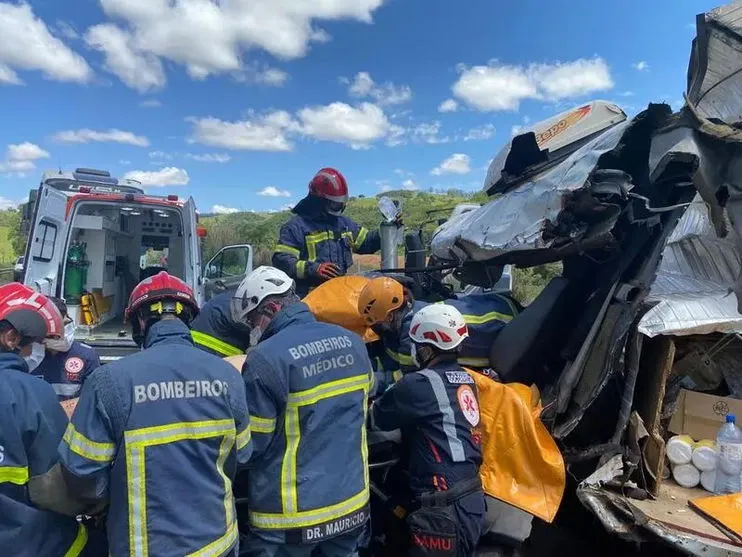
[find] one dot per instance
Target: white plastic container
(708, 479)
(679, 449)
(705, 455)
(686, 475)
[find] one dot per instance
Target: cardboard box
(700, 415)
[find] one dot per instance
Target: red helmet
(30, 313)
(158, 288)
(329, 184)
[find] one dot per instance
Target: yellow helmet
(379, 298)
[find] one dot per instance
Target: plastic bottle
(729, 465)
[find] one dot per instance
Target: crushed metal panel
(692, 291)
(515, 221)
(620, 515)
(715, 69)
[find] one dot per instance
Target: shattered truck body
(605, 198)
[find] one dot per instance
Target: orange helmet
(379, 298)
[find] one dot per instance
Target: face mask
(38, 353)
(255, 334)
(65, 343)
(413, 353)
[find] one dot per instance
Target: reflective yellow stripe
(403, 359)
(86, 448)
(289, 496)
(283, 248)
(292, 430)
(486, 318)
(474, 362)
(220, 546)
(301, 269)
(262, 425)
(273, 521)
(14, 475)
(362, 233)
(312, 240)
(136, 441)
(79, 544)
(243, 438)
(213, 343)
(397, 375)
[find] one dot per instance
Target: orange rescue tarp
(336, 302)
(522, 464)
(724, 510)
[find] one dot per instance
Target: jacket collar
(293, 314)
(11, 360)
(171, 331)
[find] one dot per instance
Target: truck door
(193, 249)
(227, 269)
(47, 243)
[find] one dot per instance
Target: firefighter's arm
(287, 256)
(238, 402)
(79, 481)
(89, 447)
(264, 400)
(399, 406)
(365, 240)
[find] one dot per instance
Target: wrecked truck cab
(598, 340)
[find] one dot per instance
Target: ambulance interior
(111, 247)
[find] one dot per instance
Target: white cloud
(140, 70)
(449, 105)
(21, 157)
(515, 130)
(27, 45)
(211, 157)
(384, 94)
(262, 75)
(342, 123)
(6, 204)
(428, 133)
(267, 132)
(482, 132)
(113, 135)
(357, 126)
(67, 30)
(403, 173)
(124, 162)
(150, 103)
(160, 155)
(410, 185)
(168, 176)
(502, 87)
(222, 210)
(457, 163)
(641, 66)
(272, 191)
(213, 37)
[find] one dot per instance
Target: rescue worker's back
(162, 431)
(307, 385)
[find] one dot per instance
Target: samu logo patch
(468, 404)
(73, 368)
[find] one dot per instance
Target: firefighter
(67, 362)
(318, 243)
(388, 308)
(214, 331)
(158, 435)
(307, 388)
(437, 411)
(31, 427)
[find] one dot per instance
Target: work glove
(327, 271)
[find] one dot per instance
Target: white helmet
(257, 286)
(441, 325)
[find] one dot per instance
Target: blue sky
(238, 103)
